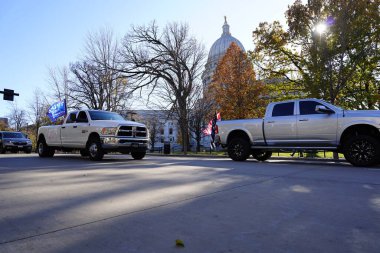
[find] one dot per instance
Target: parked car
(14, 142)
(94, 133)
(305, 124)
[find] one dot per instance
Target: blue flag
(57, 110)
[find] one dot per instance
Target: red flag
(208, 130)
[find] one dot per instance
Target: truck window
(82, 117)
(283, 109)
(308, 107)
(102, 115)
(71, 117)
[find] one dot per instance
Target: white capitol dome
(220, 46)
(217, 51)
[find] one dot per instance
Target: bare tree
(170, 62)
(199, 116)
(154, 125)
(17, 117)
(37, 110)
(59, 80)
(97, 83)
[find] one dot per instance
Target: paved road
(69, 204)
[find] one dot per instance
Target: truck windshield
(12, 135)
(99, 115)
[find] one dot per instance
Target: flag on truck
(57, 110)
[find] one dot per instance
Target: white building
(160, 124)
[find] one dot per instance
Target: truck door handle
(63, 127)
(304, 120)
(75, 126)
(272, 121)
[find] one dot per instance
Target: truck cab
(299, 123)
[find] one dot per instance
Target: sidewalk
(204, 155)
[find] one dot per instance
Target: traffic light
(9, 94)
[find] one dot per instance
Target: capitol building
(217, 51)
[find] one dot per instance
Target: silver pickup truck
(305, 125)
(94, 133)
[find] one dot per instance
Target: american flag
(212, 128)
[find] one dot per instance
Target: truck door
(80, 130)
(316, 128)
(67, 130)
(280, 127)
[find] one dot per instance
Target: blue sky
(36, 35)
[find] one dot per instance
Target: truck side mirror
(323, 109)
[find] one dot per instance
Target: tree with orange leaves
(234, 89)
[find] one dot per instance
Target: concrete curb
(272, 158)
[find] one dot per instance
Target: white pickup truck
(94, 133)
(305, 125)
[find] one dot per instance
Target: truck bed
(252, 127)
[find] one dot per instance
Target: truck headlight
(109, 131)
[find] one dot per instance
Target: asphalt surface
(70, 204)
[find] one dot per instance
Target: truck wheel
(43, 149)
(2, 149)
(84, 152)
(261, 156)
(138, 155)
(238, 149)
(95, 150)
(362, 150)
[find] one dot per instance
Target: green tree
(330, 50)
(234, 88)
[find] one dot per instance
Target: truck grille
(132, 131)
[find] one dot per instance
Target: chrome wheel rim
(93, 149)
(362, 151)
(40, 148)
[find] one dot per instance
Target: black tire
(362, 150)
(95, 150)
(261, 155)
(138, 155)
(28, 150)
(43, 149)
(84, 152)
(239, 149)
